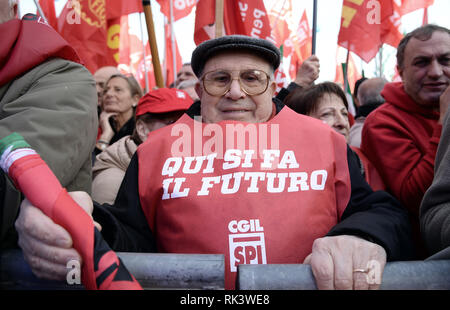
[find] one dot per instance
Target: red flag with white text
(361, 30)
(180, 8)
(247, 17)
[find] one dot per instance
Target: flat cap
(207, 49)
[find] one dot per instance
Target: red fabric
(168, 59)
(356, 34)
(26, 44)
(192, 217)
(302, 46)
(247, 17)
(407, 6)
(181, 8)
(48, 8)
(400, 138)
(41, 187)
(164, 100)
(204, 19)
(93, 29)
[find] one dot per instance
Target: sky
(328, 21)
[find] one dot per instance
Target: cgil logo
(246, 243)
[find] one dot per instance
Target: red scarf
(27, 43)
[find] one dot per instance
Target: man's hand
(308, 72)
(48, 247)
(444, 102)
(346, 262)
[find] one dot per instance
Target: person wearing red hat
(155, 110)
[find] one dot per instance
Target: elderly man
(48, 97)
(401, 137)
(242, 175)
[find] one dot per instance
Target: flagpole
(314, 30)
(38, 6)
(172, 40)
(153, 46)
(145, 56)
(219, 18)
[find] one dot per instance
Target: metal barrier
(203, 271)
(411, 275)
(153, 271)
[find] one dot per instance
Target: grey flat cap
(260, 47)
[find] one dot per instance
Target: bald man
(369, 98)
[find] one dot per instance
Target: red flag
(303, 45)
(132, 60)
(361, 22)
(248, 17)
(407, 6)
(280, 16)
(48, 9)
(93, 29)
(168, 59)
(181, 8)
(204, 21)
(352, 71)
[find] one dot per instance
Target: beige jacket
(109, 169)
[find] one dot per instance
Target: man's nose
(435, 69)
(235, 92)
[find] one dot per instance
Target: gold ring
(361, 270)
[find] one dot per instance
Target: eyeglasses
(252, 82)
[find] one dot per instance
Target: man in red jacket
(401, 137)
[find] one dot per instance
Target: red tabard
(257, 193)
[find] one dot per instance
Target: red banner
(248, 17)
(171, 47)
(48, 9)
(303, 45)
(181, 8)
(92, 27)
(361, 30)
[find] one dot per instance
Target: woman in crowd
(155, 110)
(327, 102)
(120, 98)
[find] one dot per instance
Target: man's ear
(142, 130)
(272, 87)
(199, 89)
(400, 71)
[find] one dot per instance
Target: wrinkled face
(235, 104)
(185, 74)
(332, 111)
(426, 69)
(117, 96)
(7, 11)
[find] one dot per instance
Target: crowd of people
(221, 157)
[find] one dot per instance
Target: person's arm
(435, 207)
(307, 73)
(53, 106)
